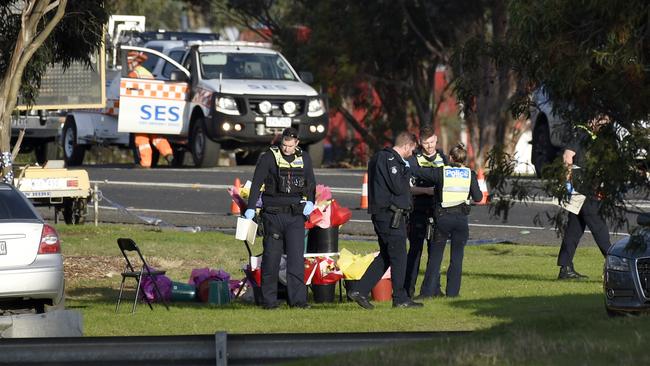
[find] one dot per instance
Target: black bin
(322, 240)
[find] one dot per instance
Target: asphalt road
(191, 198)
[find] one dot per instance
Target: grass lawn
(510, 298)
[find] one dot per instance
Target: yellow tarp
(354, 266)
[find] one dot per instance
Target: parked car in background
(31, 264)
(626, 279)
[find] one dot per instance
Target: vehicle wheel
(205, 152)
(543, 151)
(316, 153)
(73, 153)
(74, 211)
(45, 152)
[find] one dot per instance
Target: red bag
(315, 217)
(340, 215)
(327, 272)
(310, 268)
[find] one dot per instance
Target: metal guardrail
(218, 349)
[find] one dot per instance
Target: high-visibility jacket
(426, 163)
(455, 186)
(290, 179)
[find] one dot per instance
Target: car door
(149, 105)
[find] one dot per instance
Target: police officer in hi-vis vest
(454, 185)
(289, 188)
(421, 223)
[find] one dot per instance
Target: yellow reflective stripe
(296, 163)
(455, 187)
(426, 163)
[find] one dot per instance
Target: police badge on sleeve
(393, 170)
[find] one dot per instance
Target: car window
(152, 60)
(15, 206)
(261, 66)
(176, 56)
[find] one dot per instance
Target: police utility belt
(294, 209)
(398, 215)
(463, 208)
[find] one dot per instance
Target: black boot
(568, 273)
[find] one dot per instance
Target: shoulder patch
(391, 158)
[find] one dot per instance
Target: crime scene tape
(148, 219)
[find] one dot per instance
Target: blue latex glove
(249, 214)
(569, 189)
(309, 207)
(406, 162)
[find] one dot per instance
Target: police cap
(290, 132)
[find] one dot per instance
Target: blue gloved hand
(249, 214)
(406, 162)
(309, 207)
(569, 189)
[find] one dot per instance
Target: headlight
(614, 263)
(289, 107)
(315, 108)
(226, 105)
(265, 107)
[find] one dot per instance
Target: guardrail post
(221, 354)
(96, 205)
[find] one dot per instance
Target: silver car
(31, 264)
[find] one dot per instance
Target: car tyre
(205, 152)
(73, 153)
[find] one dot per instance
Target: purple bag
(149, 291)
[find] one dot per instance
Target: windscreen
(261, 66)
(15, 206)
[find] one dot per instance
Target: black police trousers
(454, 226)
(417, 230)
(392, 253)
(283, 233)
(587, 217)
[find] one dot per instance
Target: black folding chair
(128, 245)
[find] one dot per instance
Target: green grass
(510, 298)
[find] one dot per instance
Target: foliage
(74, 39)
(592, 59)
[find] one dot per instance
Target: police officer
(454, 184)
(575, 157)
(289, 188)
(389, 199)
(421, 222)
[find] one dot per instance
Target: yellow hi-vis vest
(291, 176)
(455, 185)
(425, 163)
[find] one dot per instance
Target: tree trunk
(27, 42)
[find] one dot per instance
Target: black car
(626, 279)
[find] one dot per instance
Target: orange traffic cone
(364, 193)
(481, 183)
(234, 207)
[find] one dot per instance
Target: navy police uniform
(589, 215)
(454, 185)
(388, 193)
(288, 182)
(421, 221)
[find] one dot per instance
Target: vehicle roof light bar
(230, 43)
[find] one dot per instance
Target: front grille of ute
(643, 270)
(276, 110)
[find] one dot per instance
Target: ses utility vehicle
(236, 96)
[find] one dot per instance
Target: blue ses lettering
(159, 113)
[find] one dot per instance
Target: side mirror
(306, 77)
(177, 75)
